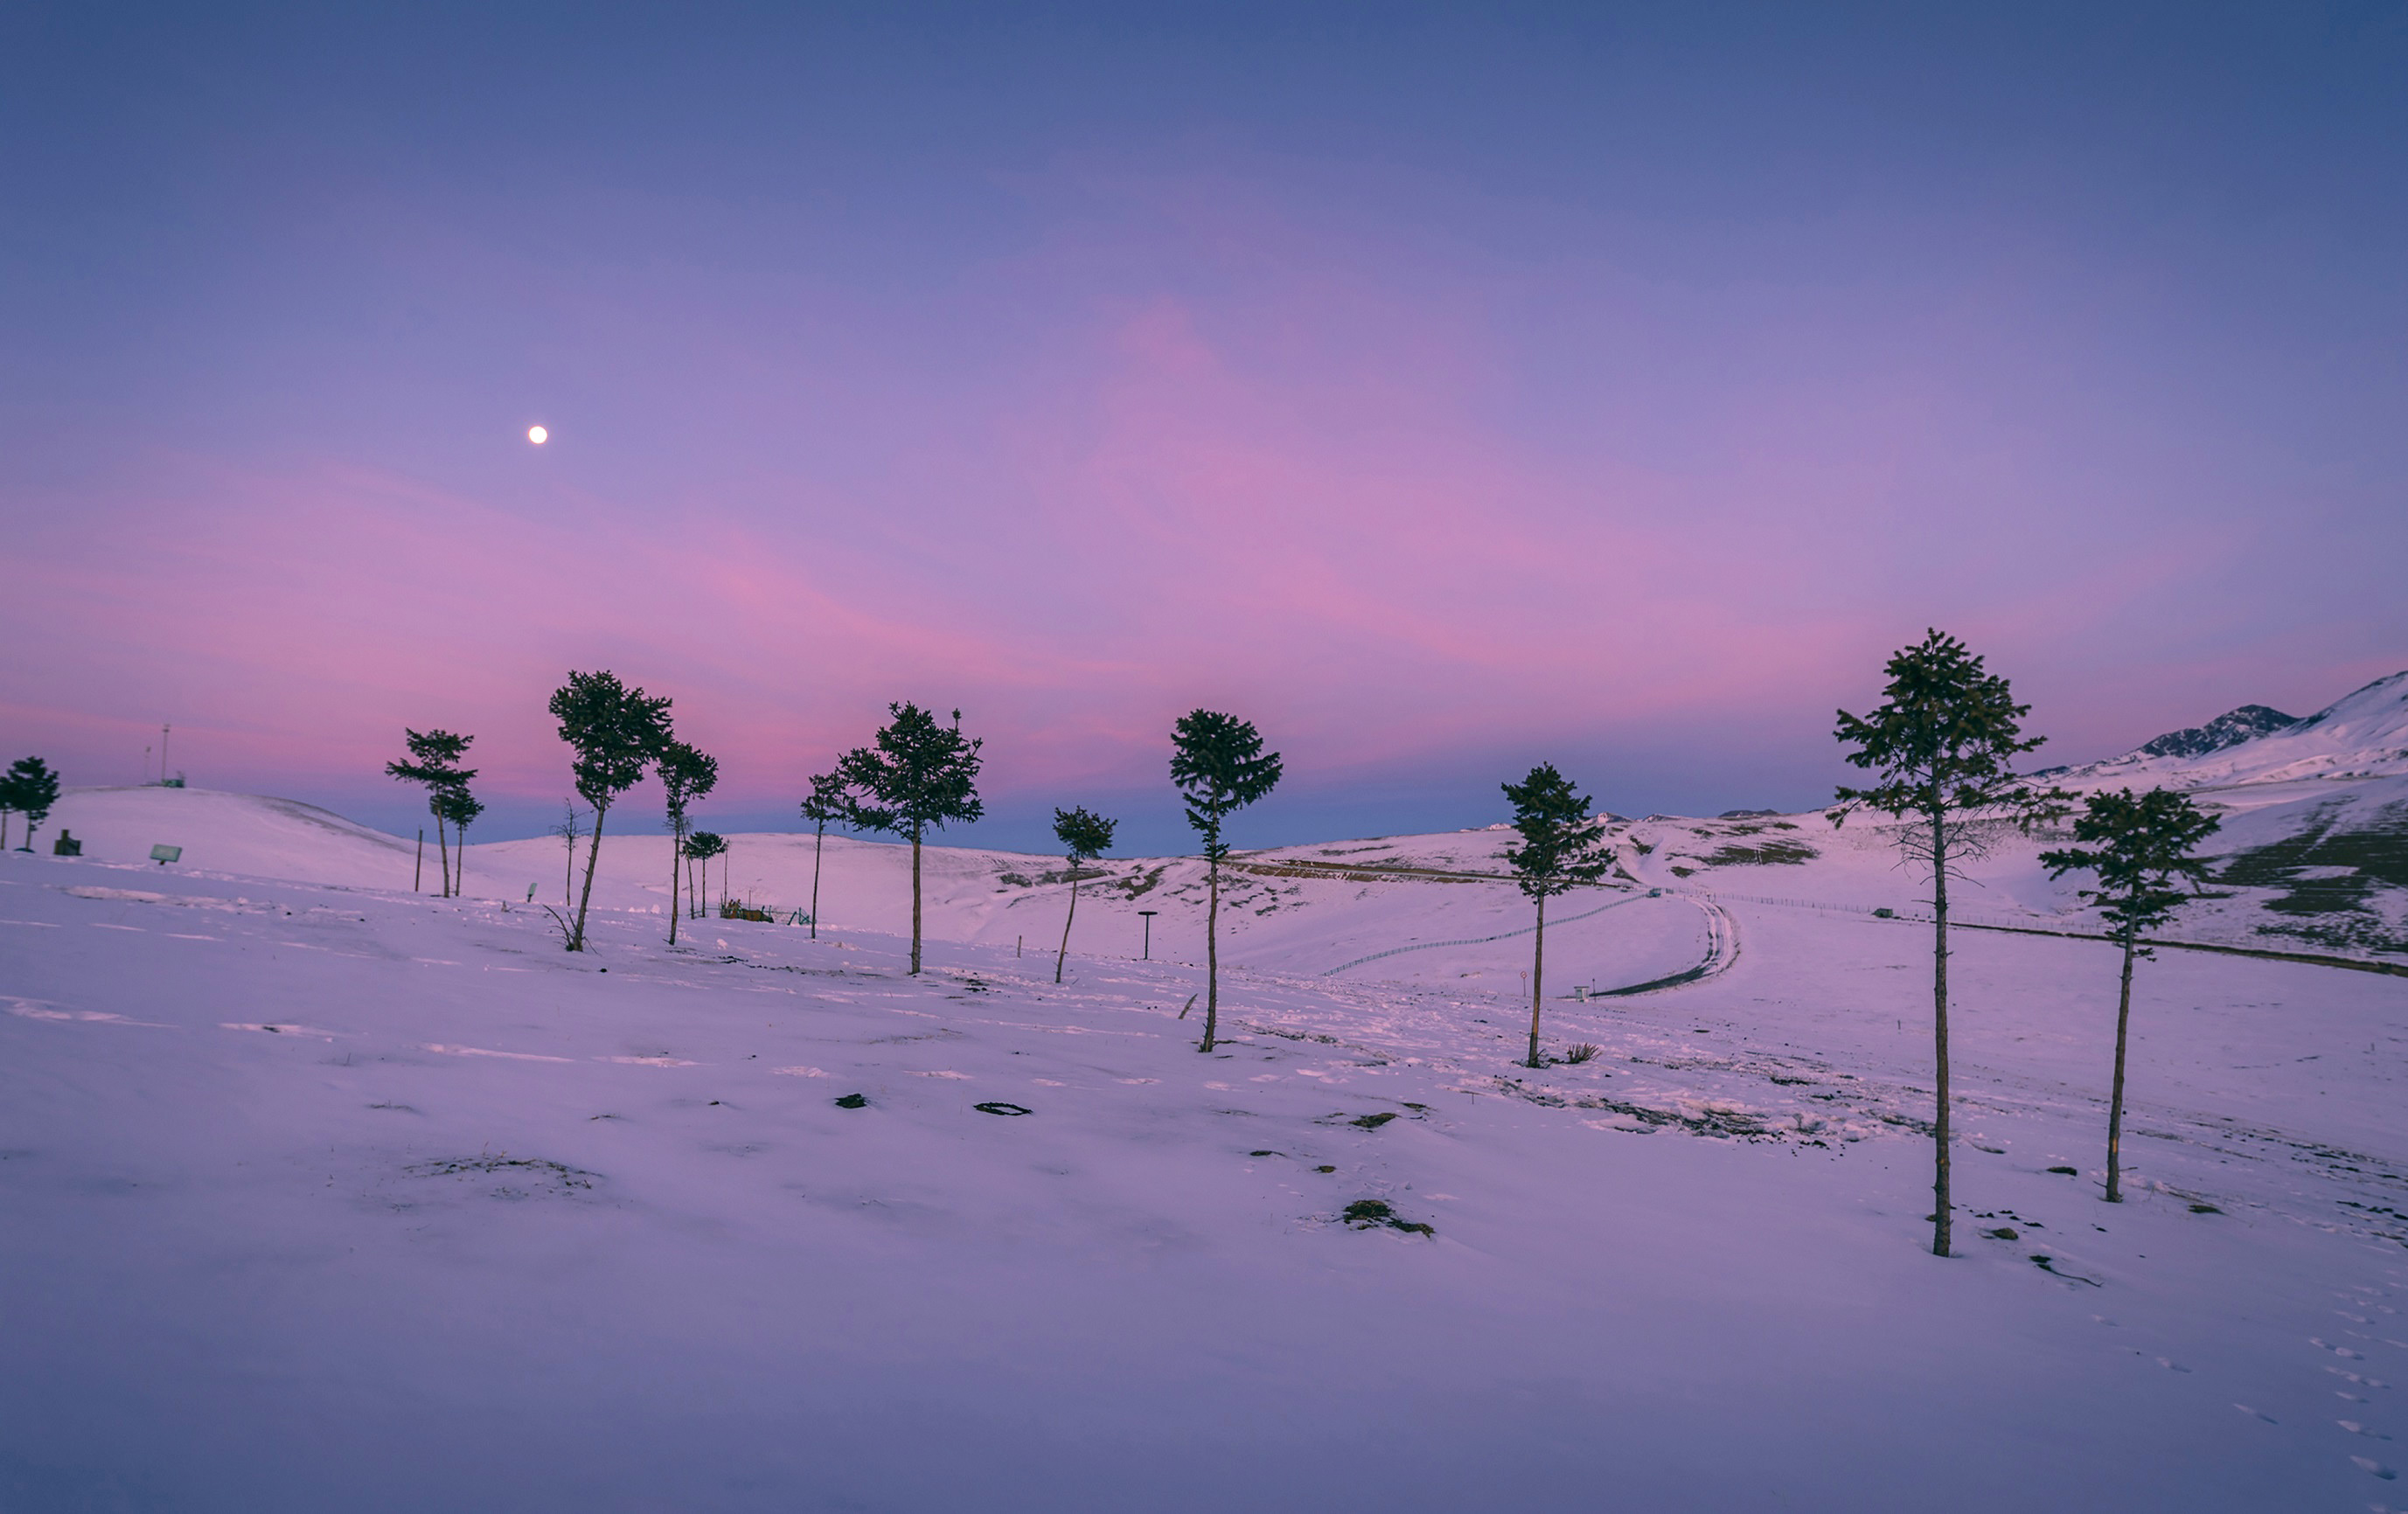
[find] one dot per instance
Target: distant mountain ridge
(2229, 729)
(2364, 734)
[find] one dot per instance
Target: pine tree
(1943, 742)
(455, 802)
(686, 775)
(701, 847)
(2144, 844)
(568, 831)
(917, 775)
(435, 761)
(1084, 837)
(1218, 765)
(616, 732)
(32, 789)
(1562, 848)
(827, 802)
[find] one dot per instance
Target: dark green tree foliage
(1942, 744)
(1218, 763)
(2141, 847)
(434, 761)
(700, 848)
(827, 801)
(456, 804)
(616, 732)
(29, 787)
(686, 775)
(917, 775)
(1562, 848)
(1084, 837)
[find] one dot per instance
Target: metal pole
(418, 873)
(1149, 915)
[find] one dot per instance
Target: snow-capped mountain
(2229, 729)
(2362, 734)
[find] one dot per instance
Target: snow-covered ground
(322, 1194)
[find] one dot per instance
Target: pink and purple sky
(1444, 388)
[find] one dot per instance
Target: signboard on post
(162, 855)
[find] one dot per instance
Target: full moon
(538, 434)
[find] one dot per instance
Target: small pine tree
(2143, 845)
(1943, 742)
(686, 775)
(1084, 837)
(1219, 766)
(1562, 848)
(461, 808)
(919, 774)
(31, 788)
(700, 848)
(568, 831)
(616, 732)
(827, 801)
(434, 761)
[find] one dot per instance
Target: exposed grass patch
(1774, 854)
(1370, 1214)
(2350, 867)
(553, 1176)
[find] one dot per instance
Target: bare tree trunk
(593, 854)
(460, 861)
(1212, 960)
(417, 869)
(817, 841)
(1940, 1201)
(1064, 954)
(443, 855)
(677, 865)
(2116, 1102)
(1538, 971)
(915, 898)
(567, 870)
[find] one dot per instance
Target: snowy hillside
(322, 1194)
